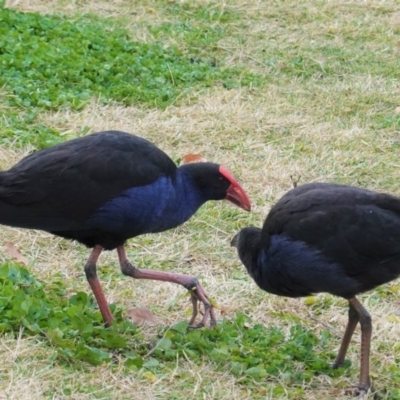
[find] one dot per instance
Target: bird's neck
(249, 253)
(179, 200)
(262, 263)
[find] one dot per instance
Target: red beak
(235, 193)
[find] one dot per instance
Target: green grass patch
(70, 324)
(210, 14)
(327, 110)
(48, 61)
(73, 327)
(252, 352)
(54, 62)
(20, 128)
(197, 29)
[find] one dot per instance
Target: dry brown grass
(263, 137)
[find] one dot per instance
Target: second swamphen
(322, 237)
(107, 187)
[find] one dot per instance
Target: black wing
(355, 227)
(60, 187)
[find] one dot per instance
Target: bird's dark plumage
(60, 188)
(324, 237)
(107, 187)
(104, 188)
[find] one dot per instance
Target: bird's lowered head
(247, 241)
(246, 238)
(216, 183)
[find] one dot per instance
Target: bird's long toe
(191, 283)
(198, 294)
(194, 300)
(361, 390)
(337, 364)
(357, 391)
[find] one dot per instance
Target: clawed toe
(336, 365)
(356, 391)
(198, 294)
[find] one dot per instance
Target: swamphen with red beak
(329, 238)
(107, 187)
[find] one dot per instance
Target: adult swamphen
(323, 237)
(107, 187)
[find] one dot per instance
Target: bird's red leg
(189, 282)
(364, 383)
(351, 326)
(91, 276)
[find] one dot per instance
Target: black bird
(323, 237)
(107, 187)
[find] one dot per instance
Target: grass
(312, 91)
(51, 62)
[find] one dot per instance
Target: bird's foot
(198, 294)
(358, 391)
(191, 283)
(337, 364)
(361, 390)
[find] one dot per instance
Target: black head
(216, 183)
(247, 238)
(248, 241)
